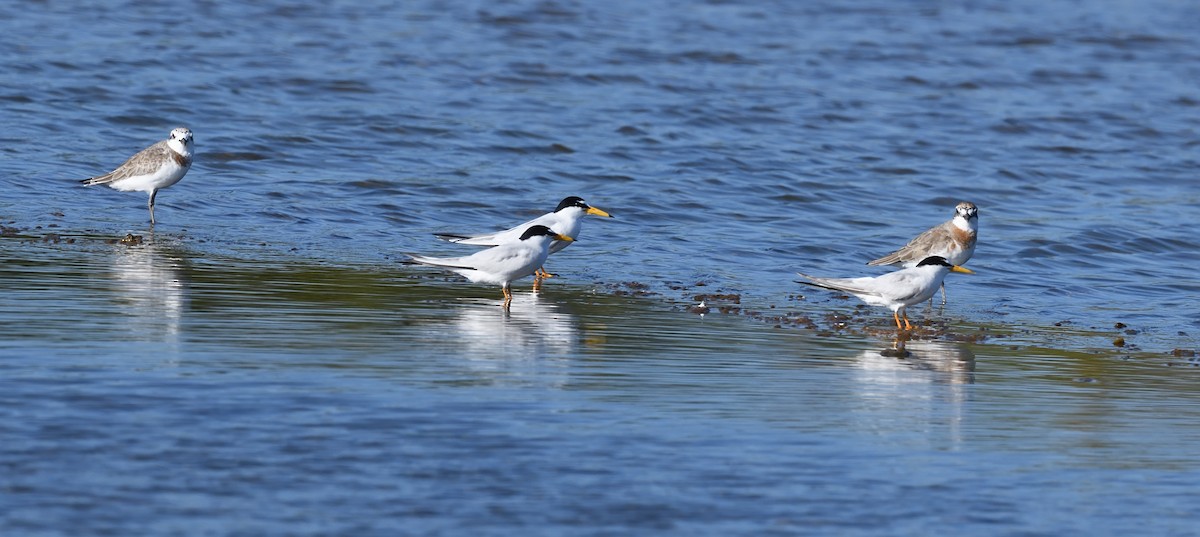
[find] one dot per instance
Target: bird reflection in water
(149, 291)
(532, 340)
(917, 387)
(954, 360)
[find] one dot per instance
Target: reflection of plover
(153, 168)
(564, 220)
(504, 263)
(895, 290)
(953, 239)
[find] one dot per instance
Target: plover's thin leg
(150, 204)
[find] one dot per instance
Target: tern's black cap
(534, 231)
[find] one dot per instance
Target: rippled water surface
(260, 363)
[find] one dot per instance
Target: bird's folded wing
(447, 262)
(498, 237)
(477, 240)
(848, 285)
(916, 248)
(145, 162)
(500, 258)
(902, 286)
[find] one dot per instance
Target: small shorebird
(896, 290)
(153, 168)
(953, 239)
(566, 219)
(503, 263)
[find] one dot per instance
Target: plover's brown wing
(144, 162)
(928, 243)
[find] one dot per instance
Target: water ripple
(264, 329)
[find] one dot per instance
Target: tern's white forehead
(181, 133)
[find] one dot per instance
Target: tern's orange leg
(507, 296)
(896, 315)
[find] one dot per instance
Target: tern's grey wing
(500, 237)
(854, 286)
(918, 248)
(445, 262)
(504, 258)
(476, 240)
(910, 286)
(902, 286)
(145, 162)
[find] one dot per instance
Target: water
(261, 364)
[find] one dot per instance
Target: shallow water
(192, 396)
(261, 363)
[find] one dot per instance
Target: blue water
(260, 363)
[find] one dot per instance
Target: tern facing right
(896, 290)
(504, 263)
(565, 219)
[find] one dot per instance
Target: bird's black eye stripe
(934, 260)
(534, 231)
(570, 201)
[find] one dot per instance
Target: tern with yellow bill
(896, 290)
(565, 219)
(503, 263)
